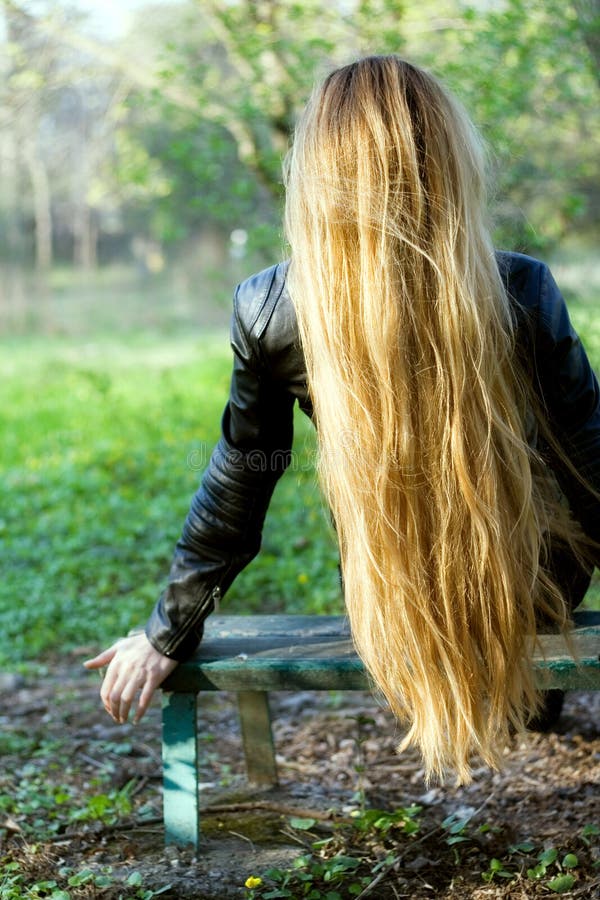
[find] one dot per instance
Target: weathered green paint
(257, 738)
(254, 654)
(273, 675)
(180, 769)
(557, 668)
(316, 653)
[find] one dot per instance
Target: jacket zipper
(215, 596)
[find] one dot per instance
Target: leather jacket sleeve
(222, 532)
(571, 398)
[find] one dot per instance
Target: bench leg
(257, 737)
(180, 769)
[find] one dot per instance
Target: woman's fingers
(109, 692)
(163, 666)
(146, 695)
(121, 699)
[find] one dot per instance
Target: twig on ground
(305, 768)
(242, 837)
(394, 862)
(142, 782)
(106, 829)
(586, 889)
(281, 808)
(98, 763)
(293, 837)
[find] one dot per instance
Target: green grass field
(103, 440)
(102, 447)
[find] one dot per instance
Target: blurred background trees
(161, 147)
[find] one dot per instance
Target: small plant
(405, 818)
(561, 883)
(496, 870)
(456, 828)
(588, 832)
(105, 807)
(546, 859)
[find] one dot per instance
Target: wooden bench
(252, 655)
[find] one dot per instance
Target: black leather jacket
(222, 532)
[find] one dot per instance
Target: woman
(457, 415)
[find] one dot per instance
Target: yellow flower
(302, 578)
(252, 882)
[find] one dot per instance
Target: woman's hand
(133, 665)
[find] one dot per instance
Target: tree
(524, 71)
(59, 114)
(22, 84)
(245, 69)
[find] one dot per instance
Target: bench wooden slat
(313, 653)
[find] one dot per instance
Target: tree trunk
(85, 234)
(41, 206)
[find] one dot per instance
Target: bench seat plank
(316, 653)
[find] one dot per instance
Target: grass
(103, 442)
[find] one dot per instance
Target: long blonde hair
(409, 341)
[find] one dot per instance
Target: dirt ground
(60, 749)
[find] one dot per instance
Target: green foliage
(43, 806)
(312, 878)
(553, 872)
(589, 832)
(188, 118)
(561, 883)
(107, 808)
(456, 829)
(89, 468)
(526, 72)
(381, 822)
(360, 856)
(48, 796)
(496, 870)
(15, 884)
